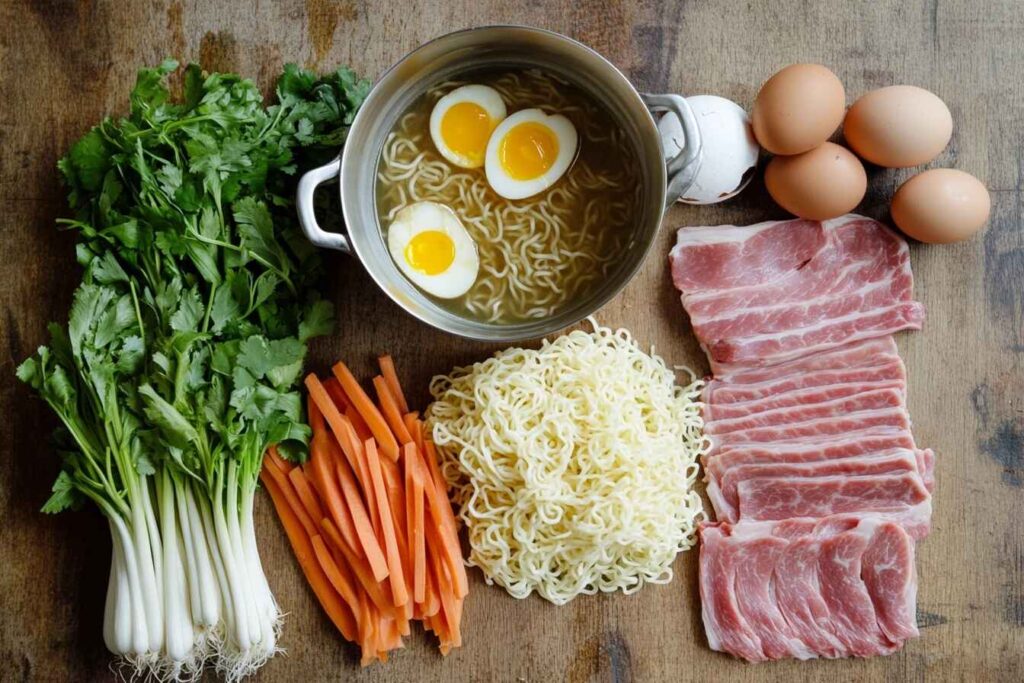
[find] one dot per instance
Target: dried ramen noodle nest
(572, 465)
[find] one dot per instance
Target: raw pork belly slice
(811, 409)
(901, 498)
(812, 470)
(716, 409)
(723, 490)
(843, 446)
(895, 418)
(836, 587)
(777, 291)
(858, 354)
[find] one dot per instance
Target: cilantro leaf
(317, 320)
(64, 495)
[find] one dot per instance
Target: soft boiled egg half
(462, 121)
(528, 152)
(433, 249)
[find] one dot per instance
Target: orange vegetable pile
(368, 516)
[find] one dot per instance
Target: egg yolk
(431, 252)
(528, 150)
(465, 128)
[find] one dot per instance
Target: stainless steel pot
(663, 180)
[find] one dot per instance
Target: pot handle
(683, 167)
(308, 184)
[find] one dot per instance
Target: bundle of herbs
(179, 363)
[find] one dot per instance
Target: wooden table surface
(64, 65)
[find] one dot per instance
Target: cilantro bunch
(179, 364)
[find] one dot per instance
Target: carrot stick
(396, 500)
(275, 457)
(320, 462)
(363, 528)
(387, 368)
(365, 406)
(304, 553)
(415, 427)
(359, 566)
(335, 574)
(337, 394)
(306, 495)
(289, 495)
(350, 442)
(392, 413)
(448, 539)
(316, 418)
(449, 607)
(398, 587)
(343, 436)
(432, 603)
(440, 491)
(358, 423)
(416, 535)
(431, 461)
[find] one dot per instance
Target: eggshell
(941, 205)
(898, 126)
(798, 108)
(825, 182)
(729, 149)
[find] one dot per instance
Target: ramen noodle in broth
(537, 254)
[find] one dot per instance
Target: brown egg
(898, 126)
(825, 182)
(941, 205)
(798, 108)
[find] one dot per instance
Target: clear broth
(539, 254)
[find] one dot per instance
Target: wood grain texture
(66, 64)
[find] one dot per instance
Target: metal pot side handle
(308, 184)
(683, 167)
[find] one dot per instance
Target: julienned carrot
(274, 457)
(396, 500)
(353, 495)
(336, 575)
(430, 459)
(374, 420)
(392, 413)
(356, 462)
(336, 393)
(432, 603)
(323, 477)
(366, 634)
(271, 472)
(335, 501)
(448, 540)
(415, 427)
(304, 553)
(359, 567)
(399, 591)
(349, 440)
(444, 572)
(364, 526)
(414, 482)
(449, 606)
(357, 422)
(306, 495)
(387, 368)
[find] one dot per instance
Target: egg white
(421, 217)
(483, 96)
(512, 188)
